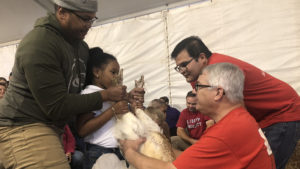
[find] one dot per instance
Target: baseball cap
(75, 5)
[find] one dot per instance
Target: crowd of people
(227, 91)
(59, 106)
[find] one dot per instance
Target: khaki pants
(179, 143)
(32, 146)
(294, 161)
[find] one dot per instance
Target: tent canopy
(17, 16)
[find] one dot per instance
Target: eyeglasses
(86, 20)
(200, 86)
(182, 66)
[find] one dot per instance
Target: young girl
(96, 127)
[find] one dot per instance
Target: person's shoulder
(217, 57)
(41, 40)
(174, 109)
(37, 37)
(237, 125)
(48, 25)
(242, 116)
(38, 46)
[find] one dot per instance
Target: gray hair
(229, 77)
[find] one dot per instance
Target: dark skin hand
(116, 93)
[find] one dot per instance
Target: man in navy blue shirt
(172, 116)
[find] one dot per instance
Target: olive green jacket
(48, 74)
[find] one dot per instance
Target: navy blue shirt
(172, 116)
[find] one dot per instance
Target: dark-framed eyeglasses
(182, 66)
(86, 20)
(200, 86)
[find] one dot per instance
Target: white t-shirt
(103, 136)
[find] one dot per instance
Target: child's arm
(87, 123)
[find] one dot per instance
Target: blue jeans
(283, 138)
(77, 160)
(93, 152)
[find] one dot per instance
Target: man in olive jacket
(48, 74)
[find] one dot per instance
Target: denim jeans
(77, 160)
(93, 152)
(179, 144)
(283, 138)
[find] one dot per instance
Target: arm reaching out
(130, 149)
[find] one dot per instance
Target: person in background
(273, 103)
(3, 86)
(75, 157)
(172, 116)
(2, 89)
(236, 141)
(3, 80)
(190, 126)
(48, 74)
(157, 103)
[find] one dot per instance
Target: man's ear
(202, 57)
(219, 94)
(61, 13)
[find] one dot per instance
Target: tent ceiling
(18, 16)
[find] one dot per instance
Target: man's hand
(193, 141)
(114, 93)
(209, 123)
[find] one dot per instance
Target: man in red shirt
(190, 126)
(273, 103)
(234, 142)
